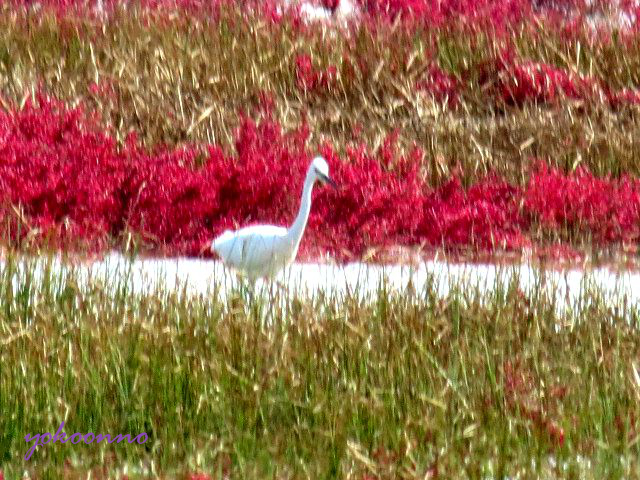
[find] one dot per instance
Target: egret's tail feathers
(225, 245)
(223, 238)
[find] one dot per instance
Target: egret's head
(320, 169)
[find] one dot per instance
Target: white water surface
(209, 277)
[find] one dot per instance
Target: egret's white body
(264, 250)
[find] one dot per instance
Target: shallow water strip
(208, 277)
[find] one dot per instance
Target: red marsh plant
(498, 14)
(98, 8)
(520, 394)
(181, 206)
(495, 15)
(63, 173)
(64, 179)
(171, 202)
(502, 17)
(379, 203)
(444, 87)
(310, 78)
(485, 217)
(606, 209)
(515, 82)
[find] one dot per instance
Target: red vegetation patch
(626, 96)
(495, 16)
(199, 476)
(486, 216)
(171, 202)
(99, 8)
(539, 82)
(376, 205)
(65, 175)
(331, 4)
(626, 424)
(608, 210)
(437, 13)
(64, 180)
(443, 86)
(519, 82)
(521, 398)
(309, 78)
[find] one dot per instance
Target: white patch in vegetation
(206, 277)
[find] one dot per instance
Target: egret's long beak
(327, 180)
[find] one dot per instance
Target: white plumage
(263, 250)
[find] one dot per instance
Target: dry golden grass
(175, 81)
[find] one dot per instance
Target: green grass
(398, 386)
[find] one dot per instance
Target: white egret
(261, 251)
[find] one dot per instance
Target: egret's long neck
(297, 228)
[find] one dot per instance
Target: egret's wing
(251, 248)
(245, 245)
(259, 249)
(262, 230)
(257, 243)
